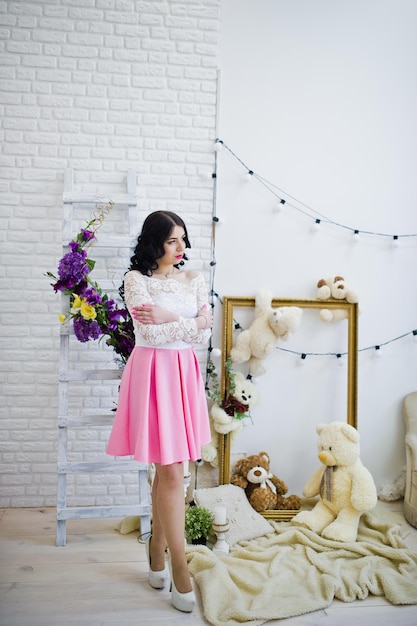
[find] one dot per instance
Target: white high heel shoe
(156, 579)
(181, 601)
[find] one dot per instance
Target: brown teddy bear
(263, 490)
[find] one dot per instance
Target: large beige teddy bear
(337, 288)
(269, 325)
(226, 416)
(346, 488)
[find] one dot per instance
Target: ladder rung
(93, 198)
(64, 421)
(97, 374)
(97, 466)
(94, 512)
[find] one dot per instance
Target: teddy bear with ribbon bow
(264, 490)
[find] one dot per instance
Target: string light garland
(339, 355)
(317, 220)
(304, 354)
(210, 368)
(302, 207)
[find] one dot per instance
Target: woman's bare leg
(158, 542)
(168, 513)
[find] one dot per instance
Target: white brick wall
(102, 86)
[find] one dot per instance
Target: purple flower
(59, 286)
(73, 268)
(80, 288)
(73, 277)
(123, 341)
(112, 315)
(74, 246)
(68, 285)
(126, 317)
(87, 235)
(124, 347)
(92, 296)
(85, 330)
(110, 304)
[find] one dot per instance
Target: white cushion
(245, 522)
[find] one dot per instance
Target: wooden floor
(100, 578)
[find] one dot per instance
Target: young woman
(162, 415)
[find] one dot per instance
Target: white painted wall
(319, 98)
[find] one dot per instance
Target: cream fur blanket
(293, 571)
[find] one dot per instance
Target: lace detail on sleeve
(136, 292)
(139, 291)
(158, 334)
(203, 335)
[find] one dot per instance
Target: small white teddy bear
(226, 417)
(334, 287)
(269, 325)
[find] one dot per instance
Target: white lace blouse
(184, 299)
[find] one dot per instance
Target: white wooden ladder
(68, 375)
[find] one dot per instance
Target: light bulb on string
(415, 335)
(339, 360)
(249, 176)
(218, 145)
(355, 236)
(378, 352)
(215, 219)
(316, 226)
(206, 175)
(216, 353)
(301, 361)
(279, 205)
(395, 241)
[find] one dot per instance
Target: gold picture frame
(229, 304)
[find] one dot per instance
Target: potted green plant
(198, 524)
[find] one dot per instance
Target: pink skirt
(162, 414)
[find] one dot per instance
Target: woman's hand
(153, 314)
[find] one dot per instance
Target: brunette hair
(156, 229)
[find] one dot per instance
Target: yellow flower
(62, 318)
(76, 305)
(87, 311)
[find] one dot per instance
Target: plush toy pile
(226, 416)
(334, 287)
(269, 325)
(345, 487)
(264, 490)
